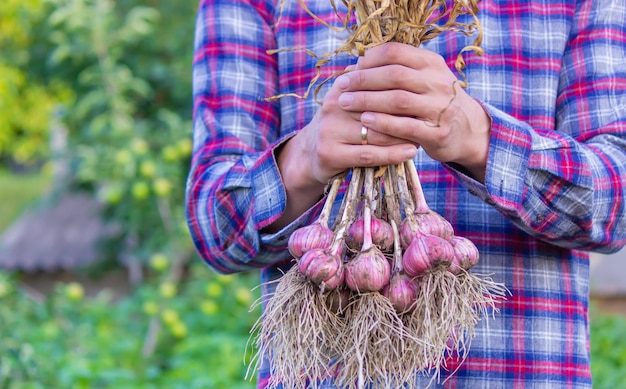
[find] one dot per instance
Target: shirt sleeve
(566, 187)
(234, 187)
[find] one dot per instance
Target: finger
(397, 102)
(400, 54)
(371, 155)
(408, 129)
(370, 136)
(383, 78)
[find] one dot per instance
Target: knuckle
(402, 100)
(394, 51)
(398, 74)
(444, 85)
(363, 100)
(330, 105)
(366, 158)
(413, 132)
(439, 137)
(434, 58)
(357, 80)
(324, 155)
(392, 157)
(439, 58)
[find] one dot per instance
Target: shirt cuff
(507, 164)
(270, 198)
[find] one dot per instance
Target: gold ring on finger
(364, 131)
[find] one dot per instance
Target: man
(528, 162)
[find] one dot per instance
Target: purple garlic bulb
(426, 252)
(465, 254)
(321, 268)
(314, 236)
(369, 271)
(382, 234)
(402, 292)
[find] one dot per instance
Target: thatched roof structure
(63, 234)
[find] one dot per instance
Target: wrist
(301, 189)
(475, 159)
(294, 169)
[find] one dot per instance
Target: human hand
(407, 97)
(332, 143)
(329, 145)
(409, 93)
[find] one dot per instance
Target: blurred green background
(95, 97)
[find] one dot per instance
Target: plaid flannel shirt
(553, 80)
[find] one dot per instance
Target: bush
(68, 340)
(72, 341)
(26, 104)
(608, 350)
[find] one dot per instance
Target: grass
(18, 192)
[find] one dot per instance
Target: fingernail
(367, 119)
(343, 82)
(345, 100)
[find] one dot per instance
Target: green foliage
(129, 126)
(128, 67)
(128, 118)
(71, 341)
(26, 105)
(19, 192)
(608, 351)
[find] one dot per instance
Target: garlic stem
(405, 197)
(416, 185)
(391, 200)
(350, 201)
(394, 216)
(330, 199)
(397, 248)
(368, 188)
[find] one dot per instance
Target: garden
(114, 79)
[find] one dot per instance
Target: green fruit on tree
(113, 194)
(74, 291)
(179, 329)
(168, 289)
(147, 169)
(150, 308)
(162, 187)
(225, 279)
(4, 289)
(169, 316)
(213, 289)
(243, 296)
(140, 190)
(50, 330)
(209, 307)
(170, 153)
(185, 147)
(139, 146)
(159, 262)
(123, 157)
